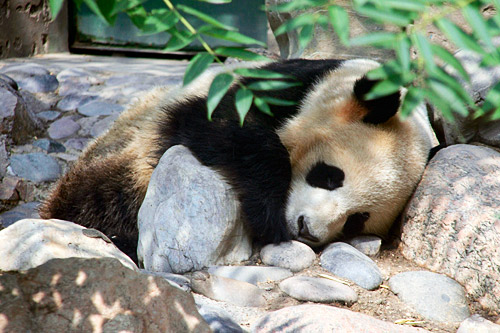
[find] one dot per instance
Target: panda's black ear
(380, 109)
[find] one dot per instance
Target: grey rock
(74, 101)
(477, 324)
(102, 125)
(37, 167)
(293, 255)
(69, 87)
(25, 69)
(63, 128)
(10, 81)
(489, 133)
(76, 143)
(4, 156)
(452, 220)
(251, 274)
(35, 104)
(345, 261)
(218, 319)
(78, 75)
(32, 77)
(324, 318)
(434, 296)
(47, 116)
(86, 124)
(25, 211)
(189, 218)
(176, 280)
(312, 289)
(50, 146)
(369, 245)
(98, 108)
(227, 290)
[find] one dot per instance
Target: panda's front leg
(257, 165)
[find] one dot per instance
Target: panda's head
(355, 163)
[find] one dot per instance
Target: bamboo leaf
(239, 53)
(262, 105)
(216, 2)
(94, 7)
(449, 59)
(204, 17)
(220, 85)
(296, 22)
(384, 16)
(305, 36)
(278, 101)
(232, 36)
(179, 40)
(385, 39)
(408, 5)
(125, 5)
(382, 88)
(272, 85)
(448, 95)
(159, 21)
(196, 66)
(339, 19)
(478, 24)
(261, 73)
(403, 53)
(243, 102)
(425, 49)
(458, 36)
(137, 15)
(55, 7)
(412, 99)
(492, 102)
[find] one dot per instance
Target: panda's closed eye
(325, 176)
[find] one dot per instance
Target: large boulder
(189, 218)
(31, 242)
(452, 223)
(93, 295)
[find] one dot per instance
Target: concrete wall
(26, 30)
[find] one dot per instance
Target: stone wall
(26, 29)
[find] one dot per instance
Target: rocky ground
(51, 107)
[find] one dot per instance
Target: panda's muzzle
(304, 230)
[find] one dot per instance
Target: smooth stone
(313, 289)
(26, 69)
(38, 83)
(47, 116)
(102, 125)
(477, 324)
(369, 245)
(37, 167)
(345, 261)
(86, 124)
(218, 319)
(25, 211)
(227, 290)
(50, 146)
(10, 81)
(293, 255)
(63, 128)
(69, 87)
(76, 143)
(176, 280)
(434, 296)
(74, 101)
(98, 108)
(251, 274)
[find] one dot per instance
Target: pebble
(251, 274)
(47, 116)
(63, 128)
(74, 101)
(293, 255)
(69, 87)
(86, 124)
(477, 324)
(434, 296)
(32, 77)
(227, 290)
(102, 125)
(37, 167)
(218, 319)
(50, 146)
(24, 211)
(98, 108)
(76, 143)
(313, 289)
(369, 245)
(345, 261)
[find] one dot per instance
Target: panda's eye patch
(325, 176)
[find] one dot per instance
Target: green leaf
(196, 66)
(458, 36)
(55, 7)
(204, 17)
(448, 95)
(387, 16)
(261, 73)
(382, 88)
(413, 98)
(272, 85)
(290, 6)
(125, 5)
(385, 39)
(220, 85)
(449, 59)
(478, 24)
(232, 36)
(425, 50)
(403, 53)
(137, 15)
(243, 102)
(216, 2)
(296, 22)
(492, 102)
(238, 52)
(305, 36)
(179, 40)
(159, 21)
(388, 69)
(339, 19)
(278, 101)
(262, 105)
(95, 8)
(408, 5)
(439, 103)
(451, 82)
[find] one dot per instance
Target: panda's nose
(304, 230)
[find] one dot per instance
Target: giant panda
(333, 163)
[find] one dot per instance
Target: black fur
(379, 109)
(355, 224)
(325, 176)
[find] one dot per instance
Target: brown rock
(452, 223)
(93, 295)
